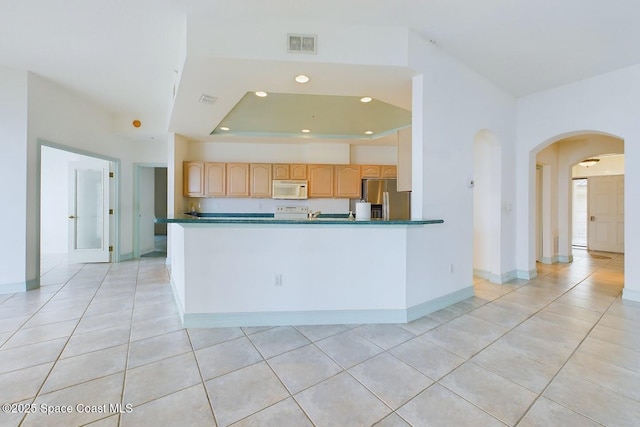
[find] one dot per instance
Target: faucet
(313, 215)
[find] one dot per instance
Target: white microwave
(289, 190)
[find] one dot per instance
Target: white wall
(337, 44)
(13, 183)
(54, 199)
(374, 155)
(608, 104)
(487, 176)
(64, 118)
(456, 104)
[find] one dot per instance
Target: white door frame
(114, 228)
(136, 202)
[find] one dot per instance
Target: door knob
(592, 218)
(71, 217)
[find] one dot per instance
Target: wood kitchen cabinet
(193, 179)
(388, 171)
(370, 171)
(280, 171)
(321, 180)
(378, 171)
(260, 179)
(237, 179)
(347, 180)
(290, 171)
(214, 179)
(298, 171)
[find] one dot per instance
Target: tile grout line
(572, 353)
(126, 361)
(468, 360)
(202, 380)
(55, 362)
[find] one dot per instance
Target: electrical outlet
(277, 279)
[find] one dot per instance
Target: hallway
(562, 349)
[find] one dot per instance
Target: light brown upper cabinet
(260, 178)
(320, 180)
(404, 159)
(347, 179)
(193, 179)
(281, 171)
(214, 179)
(237, 179)
(370, 171)
(388, 171)
(298, 171)
(378, 171)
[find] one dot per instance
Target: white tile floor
(560, 350)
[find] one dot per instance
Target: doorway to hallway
(150, 203)
(77, 197)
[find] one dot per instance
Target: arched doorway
(554, 173)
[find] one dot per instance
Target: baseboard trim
(14, 288)
(496, 278)
(504, 277)
(630, 295)
(287, 318)
(420, 310)
(565, 258)
(526, 275)
(126, 257)
(482, 274)
(319, 317)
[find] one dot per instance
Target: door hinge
(110, 248)
(110, 211)
(111, 175)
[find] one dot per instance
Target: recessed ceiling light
(302, 78)
(261, 94)
(366, 99)
(368, 132)
(305, 131)
(224, 128)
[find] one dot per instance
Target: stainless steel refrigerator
(386, 201)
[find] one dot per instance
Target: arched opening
(555, 171)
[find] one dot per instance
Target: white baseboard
(630, 295)
(319, 317)
(527, 275)
(14, 288)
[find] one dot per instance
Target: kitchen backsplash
(264, 205)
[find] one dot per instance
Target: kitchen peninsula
(261, 271)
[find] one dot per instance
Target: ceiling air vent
(302, 43)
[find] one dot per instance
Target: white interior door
(606, 213)
(89, 211)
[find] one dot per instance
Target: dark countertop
(260, 218)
